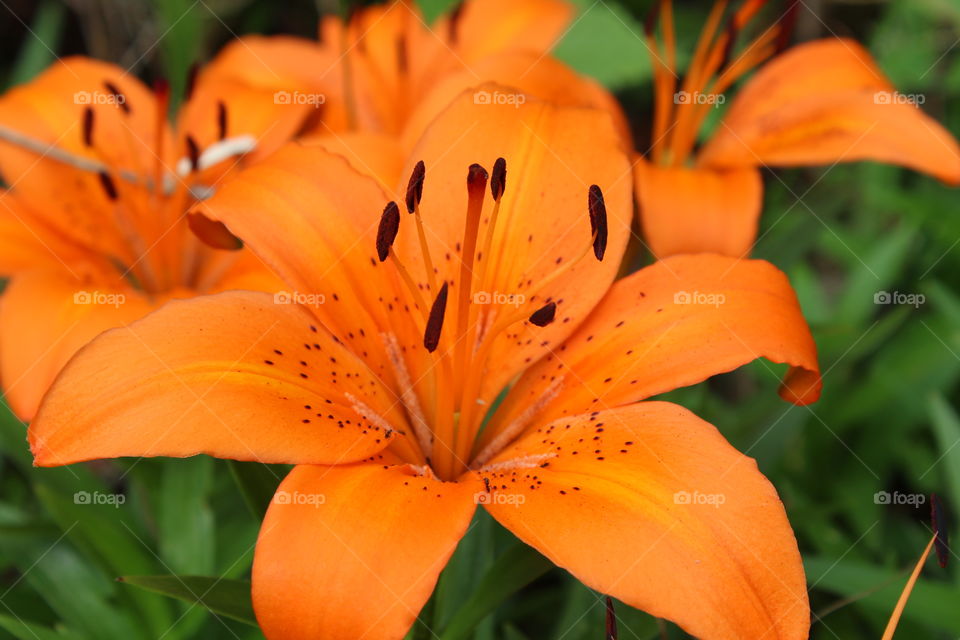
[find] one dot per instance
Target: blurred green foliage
(887, 422)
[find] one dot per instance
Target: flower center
(145, 238)
(461, 351)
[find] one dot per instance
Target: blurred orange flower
(820, 102)
(374, 371)
(93, 230)
(386, 73)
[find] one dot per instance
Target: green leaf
(946, 426)
(39, 48)
(182, 23)
(432, 9)
(105, 530)
(80, 594)
(605, 42)
(22, 630)
(878, 589)
(184, 518)
(513, 570)
(221, 596)
(258, 482)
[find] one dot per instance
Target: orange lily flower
(410, 326)
(93, 232)
(385, 72)
(821, 102)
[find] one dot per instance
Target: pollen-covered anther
(387, 231)
(415, 186)
(544, 315)
(431, 335)
(498, 180)
(598, 221)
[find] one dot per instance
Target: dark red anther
(118, 96)
(498, 181)
(732, 33)
(431, 335)
(544, 315)
(221, 120)
(787, 25)
(193, 152)
(191, 81)
(402, 63)
(454, 22)
(387, 231)
(938, 518)
(650, 22)
(415, 186)
(598, 221)
(88, 126)
(476, 180)
(161, 89)
(108, 186)
(611, 632)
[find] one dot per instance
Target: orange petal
(354, 551)
(823, 102)
(698, 210)
(539, 77)
(485, 27)
(44, 320)
(373, 154)
(27, 242)
(651, 505)
(311, 217)
(553, 155)
(284, 64)
(669, 325)
(237, 375)
(50, 109)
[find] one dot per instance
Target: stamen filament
(476, 187)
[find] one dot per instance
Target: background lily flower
(93, 227)
(818, 103)
(384, 71)
(410, 323)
